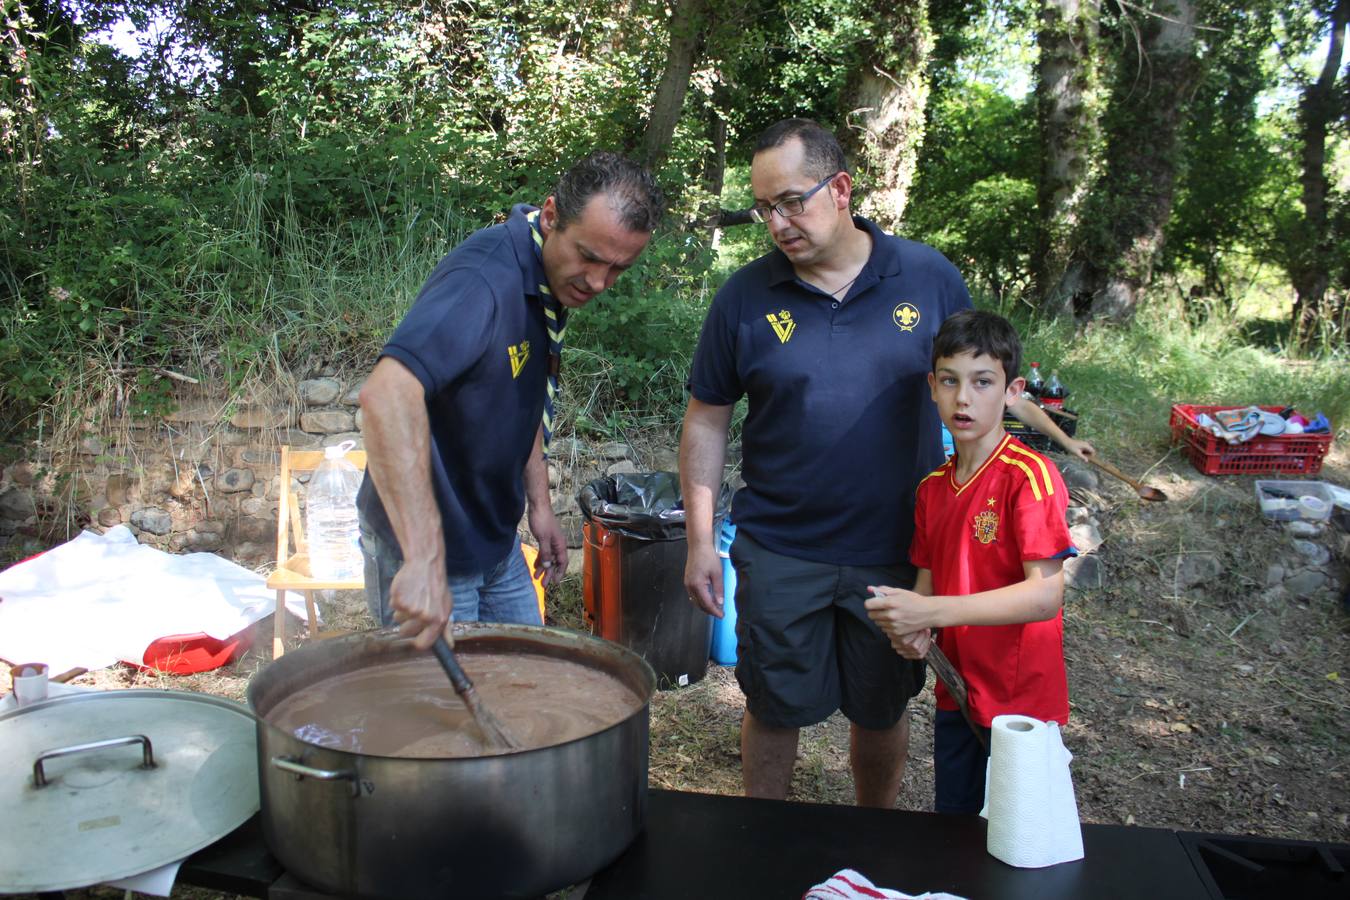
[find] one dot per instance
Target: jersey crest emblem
(783, 326)
(519, 354)
(986, 525)
(906, 316)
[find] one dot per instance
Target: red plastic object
(1295, 454)
(186, 654)
(602, 580)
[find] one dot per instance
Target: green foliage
(634, 343)
(989, 235)
(788, 58)
(975, 196)
(1126, 378)
(1234, 166)
(283, 208)
(269, 187)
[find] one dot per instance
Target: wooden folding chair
(292, 571)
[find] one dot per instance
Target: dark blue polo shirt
(841, 425)
(476, 340)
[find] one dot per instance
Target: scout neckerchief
(557, 327)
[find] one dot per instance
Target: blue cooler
(723, 650)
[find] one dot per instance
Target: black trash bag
(645, 505)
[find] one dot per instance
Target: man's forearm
(536, 475)
(397, 435)
(703, 447)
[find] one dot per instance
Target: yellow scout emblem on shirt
(906, 316)
(520, 354)
(986, 525)
(783, 326)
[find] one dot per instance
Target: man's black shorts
(805, 646)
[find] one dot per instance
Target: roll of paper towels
(1028, 795)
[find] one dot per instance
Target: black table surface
(703, 845)
(710, 846)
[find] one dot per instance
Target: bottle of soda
(1035, 384)
(1055, 392)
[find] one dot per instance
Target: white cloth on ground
(98, 599)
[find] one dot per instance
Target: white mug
(30, 682)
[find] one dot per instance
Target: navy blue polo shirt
(841, 424)
(477, 341)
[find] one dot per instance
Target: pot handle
(147, 754)
(301, 771)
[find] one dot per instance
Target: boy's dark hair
(822, 155)
(980, 333)
(637, 198)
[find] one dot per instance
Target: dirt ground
(1221, 706)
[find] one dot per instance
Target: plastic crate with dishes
(1033, 438)
(1295, 454)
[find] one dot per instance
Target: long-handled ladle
(1144, 491)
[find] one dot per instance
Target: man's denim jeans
(503, 594)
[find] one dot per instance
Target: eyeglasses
(788, 206)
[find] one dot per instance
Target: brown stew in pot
(408, 709)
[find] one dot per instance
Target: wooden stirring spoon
(1144, 491)
(487, 722)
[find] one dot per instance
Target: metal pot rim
(386, 643)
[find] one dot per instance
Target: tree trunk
(1122, 224)
(888, 96)
(715, 165)
(688, 28)
(1068, 132)
(1312, 261)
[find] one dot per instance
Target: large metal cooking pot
(513, 825)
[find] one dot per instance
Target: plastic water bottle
(330, 517)
(723, 649)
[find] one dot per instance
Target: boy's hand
(900, 613)
(1081, 449)
(913, 645)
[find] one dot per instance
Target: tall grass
(1124, 380)
(251, 297)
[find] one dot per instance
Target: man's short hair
(823, 155)
(630, 188)
(980, 333)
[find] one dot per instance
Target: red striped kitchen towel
(850, 885)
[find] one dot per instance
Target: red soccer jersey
(974, 537)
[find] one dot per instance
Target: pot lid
(107, 784)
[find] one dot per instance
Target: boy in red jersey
(990, 541)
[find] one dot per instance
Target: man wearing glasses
(829, 336)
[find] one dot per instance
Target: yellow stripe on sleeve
(1031, 476)
(1040, 462)
(938, 471)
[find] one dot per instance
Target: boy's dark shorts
(959, 764)
(805, 646)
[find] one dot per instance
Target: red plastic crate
(1298, 454)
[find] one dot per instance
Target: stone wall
(202, 477)
(205, 477)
